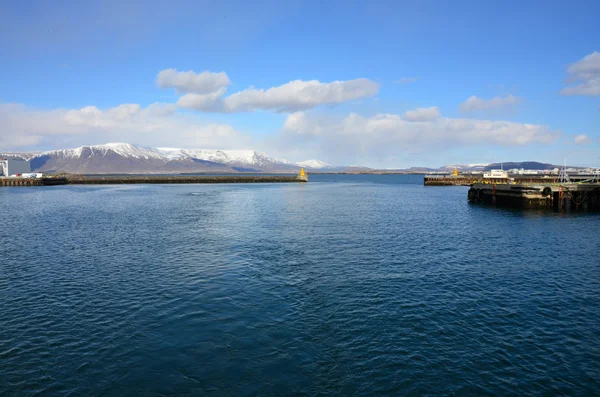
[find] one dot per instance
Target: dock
(556, 196)
(21, 182)
(468, 180)
(152, 179)
(448, 180)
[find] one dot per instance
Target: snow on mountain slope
(232, 157)
(315, 164)
(121, 149)
(464, 166)
(128, 158)
(18, 155)
(241, 157)
(467, 165)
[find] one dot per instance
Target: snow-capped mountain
(128, 158)
(231, 157)
(19, 155)
(465, 167)
(313, 164)
(121, 149)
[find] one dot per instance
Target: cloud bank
(581, 139)
(429, 130)
(585, 75)
(198, 83)
(205, 92)
(156, 125)
(422, 114)
(474, 103)
(388, 138)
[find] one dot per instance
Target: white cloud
(290, 97)
(475, 103)
(389, 129)
(388, 140)
(581, 139)
(206, 91)
(8, 142)
(200, 83)
(422, 114)
(156, 125)
(407, 80)
(300, 95)
(585, 73)
(302, 124)
(212, 102)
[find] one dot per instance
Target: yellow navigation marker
(302, 175)
(455, 172)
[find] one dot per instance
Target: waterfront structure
(35, 179)
(9, 167)
(25, 181)
(584, 195)
(496, 174)
(302, 176)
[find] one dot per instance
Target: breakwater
(20, 182)
(468, 180)
(566, 196)
(150, 179)
(449, 180)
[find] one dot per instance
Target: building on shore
(9, 167)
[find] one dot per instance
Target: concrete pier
(151, 179)
(20, 182)
(468, 180)
(567, 196)
(449, 180)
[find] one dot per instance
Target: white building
(9, 167)
(496, 174)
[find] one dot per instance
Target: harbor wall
(21, 182)
(467, 180)
(151, 179)
(570, 196)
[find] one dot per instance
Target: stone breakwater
(567, 196)
(20, 182)
(151, 179)
(468, 180)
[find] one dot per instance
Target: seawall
(567, 196)
(151, 179)
(467, 180)
(20, 182)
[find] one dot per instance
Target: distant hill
(125, 158)
(422, 169)
(526, 165)
(133, 159)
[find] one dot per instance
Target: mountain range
(125, 158)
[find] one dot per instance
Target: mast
(564, 177)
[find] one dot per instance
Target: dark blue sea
(347, 285)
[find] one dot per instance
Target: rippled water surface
(347, 285)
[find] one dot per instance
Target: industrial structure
(9, 167)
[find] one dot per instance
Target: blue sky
(74, 74)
